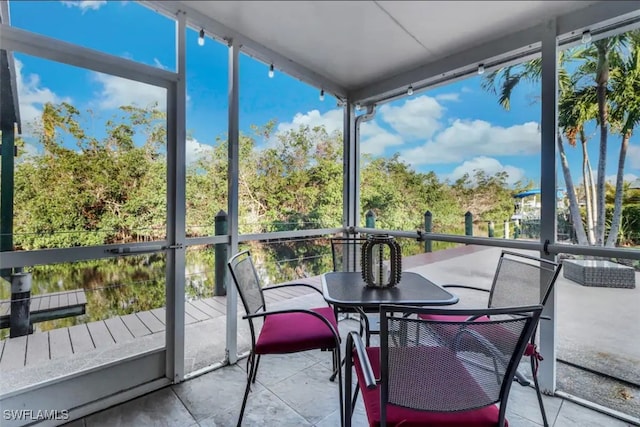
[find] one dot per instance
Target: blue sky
(449, 130)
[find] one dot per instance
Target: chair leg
(255, 370)
(340, 383)
(337, 369)
(355, 396)
(348, 379)
(545, 422)
(251, 373)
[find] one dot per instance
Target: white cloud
(85, 5)
(465, 139)
(117, 92)
(488, 165)
(331, 120)
(374, 139)
(448, 97)
(195, 150)
(32, 96)
(416, 118)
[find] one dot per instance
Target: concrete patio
(294, 390)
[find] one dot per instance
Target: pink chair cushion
(293, 332)
(530, 350)
(449, 385)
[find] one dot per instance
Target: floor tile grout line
(195, 420)
(555, 420)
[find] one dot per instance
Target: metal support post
(491, 228)
(350, 167)
(221, 255)
(506, 230)
(233, 193)
(548, 219)
(428, 227)
(20, 317)
(176, 211)
(370, 218)
(6, 193)
(468, 224)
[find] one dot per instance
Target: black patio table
(348, 289)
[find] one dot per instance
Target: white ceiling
(357, 43)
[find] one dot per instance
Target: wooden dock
(39, 347)
(51, 306)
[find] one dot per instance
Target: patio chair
(517, 282)
(422, 376)
(283, 331)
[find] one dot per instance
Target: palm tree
(583, 97)
(577, 107)
(502, 83)
(598, 58)
(625, 94)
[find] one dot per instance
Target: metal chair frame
(355, 345)
(262, 312)
(554, 269)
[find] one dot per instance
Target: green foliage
(107, 190)
(629, 234)
(487, 197)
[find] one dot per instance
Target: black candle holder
(381, 261)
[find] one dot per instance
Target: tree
(625, 94)
(502, 82)
(585, 96)
(577, 107)
(103, 191)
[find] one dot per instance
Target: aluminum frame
(176, 212)
(350, 161)
(156, 368)
(548, 227)
(233, 147)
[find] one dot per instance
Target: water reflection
(130, 284)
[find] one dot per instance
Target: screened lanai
(365, 54)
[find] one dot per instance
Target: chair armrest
(354, 341)
(474, 288)
(290, 285)
(296, 310)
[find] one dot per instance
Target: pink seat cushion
(529, 350)
(457, 384)
(293, 332)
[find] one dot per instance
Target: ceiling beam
(212, 27)
(521, 44)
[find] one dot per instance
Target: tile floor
(294, 390)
